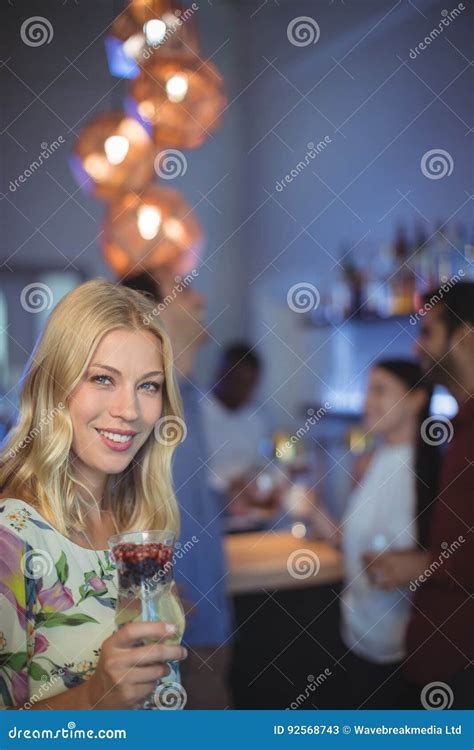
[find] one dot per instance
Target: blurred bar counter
(261, 561)
(286, 627)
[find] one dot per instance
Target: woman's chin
(114, 464)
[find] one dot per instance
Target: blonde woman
(81, 465)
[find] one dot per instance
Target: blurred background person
(202, 570)
(388, 509)
(237, 433)
(440, 634)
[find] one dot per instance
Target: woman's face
(116, 405)
(389, 404)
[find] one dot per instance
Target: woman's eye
(155, 387)
(100, 378)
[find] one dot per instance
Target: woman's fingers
(155, 653)
(135, 632)
(151, 675)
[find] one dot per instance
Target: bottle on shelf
(340, 297)
(402, 282)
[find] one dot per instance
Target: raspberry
(137, 563)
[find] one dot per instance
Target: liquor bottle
(402, 282)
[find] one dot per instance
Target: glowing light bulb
(96, 166)
(133, 46)
(154, 30)
(116, 148)
(148, 220)
(177, 87)
(298, 530)
(173, 228)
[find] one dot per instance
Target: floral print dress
(57, 606)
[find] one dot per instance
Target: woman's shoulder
(390, 473)
(20, 517)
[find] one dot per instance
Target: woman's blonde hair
(35, 463)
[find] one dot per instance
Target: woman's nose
(125, 404)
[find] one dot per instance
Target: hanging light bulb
(132, 48)
(176, 88)
(148, 221)
(154, 30)
(124, 45)
(116, 148)
(181, 98)
(157, 228)
(142, 31)
(113, 154)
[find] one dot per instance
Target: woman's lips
(119, 447)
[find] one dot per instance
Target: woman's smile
(117, 440)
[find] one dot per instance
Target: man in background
(238, 438)
(233, 427)
(200, 572)
(440, 638)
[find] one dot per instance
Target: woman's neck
(99, 524)
(93, 484)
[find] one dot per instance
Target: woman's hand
(393, 570)
(126, 673)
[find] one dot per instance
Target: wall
(357, 86)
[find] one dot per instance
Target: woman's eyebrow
(113, 369)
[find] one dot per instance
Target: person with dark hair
(200, 566)
(389, 509)
(440, 637)
(235, 430)
(143, 282)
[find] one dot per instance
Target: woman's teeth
(115, 437)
